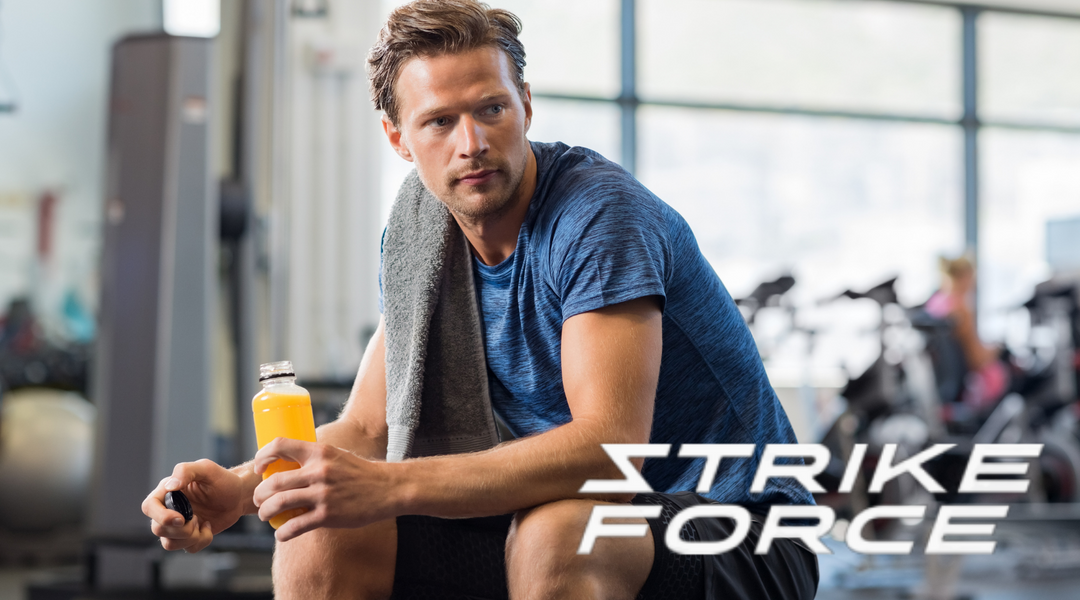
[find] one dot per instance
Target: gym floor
(1034, 558)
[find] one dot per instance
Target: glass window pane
(1028, 179)
(571, 47)
(1029, 68)
(872, 56)
(838, 203)
(594, 125)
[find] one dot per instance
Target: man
(602, 324)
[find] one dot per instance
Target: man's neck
(494, 238)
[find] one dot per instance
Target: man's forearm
(347, 435)
(512, 476)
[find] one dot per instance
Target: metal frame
(628, 98)
(969, 122)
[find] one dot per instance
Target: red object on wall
(46, 216)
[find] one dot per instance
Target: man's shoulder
(566, 166)
(579, 181)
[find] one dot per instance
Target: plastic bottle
(282, 409)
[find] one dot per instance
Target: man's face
(462, 122)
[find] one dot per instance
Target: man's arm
(976, 354)
(361, 426)
(610, 365)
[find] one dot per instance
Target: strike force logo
(991, 469)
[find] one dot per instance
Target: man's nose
(472, 141)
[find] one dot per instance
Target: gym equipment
(152, 369)
(45, 449)
(763, 294)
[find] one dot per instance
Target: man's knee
(337, 563)
(552, 530)
(541, 553)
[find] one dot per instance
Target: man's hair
(427, 28)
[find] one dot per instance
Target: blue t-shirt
(594, 236)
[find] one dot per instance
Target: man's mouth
(478, 177)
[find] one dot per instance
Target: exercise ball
(46, 448)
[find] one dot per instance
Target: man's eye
(440, 122)
(496, 109)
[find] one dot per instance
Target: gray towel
(437, 399)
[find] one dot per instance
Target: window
(571, 46)
(594, 125)
(870, 56)
(1028, 68)
(1028, 169)
(769, 179)
(1029, 179)
(837, 202)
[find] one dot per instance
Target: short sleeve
(611, 246)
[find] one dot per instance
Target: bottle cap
(178, 501)
(274, 370)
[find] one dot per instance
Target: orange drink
(282, 409)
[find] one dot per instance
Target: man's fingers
(279, 482)
(203, 539)
(186, 473)
(299, 525)
(196, 537)
(173, 545)
(173, 532)
(283, 449)
(170, 523)
(176, 538)
(154, 507)
(286, 500)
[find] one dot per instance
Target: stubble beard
(495, 203)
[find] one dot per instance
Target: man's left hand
(338, 488)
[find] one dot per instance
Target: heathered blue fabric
(594, 236)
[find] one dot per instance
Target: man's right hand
(217, 499)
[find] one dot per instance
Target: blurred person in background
(988, 377)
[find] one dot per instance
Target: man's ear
(394, 135)
(526, 100)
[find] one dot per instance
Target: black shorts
(463, 559)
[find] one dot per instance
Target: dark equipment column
(152, 373)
